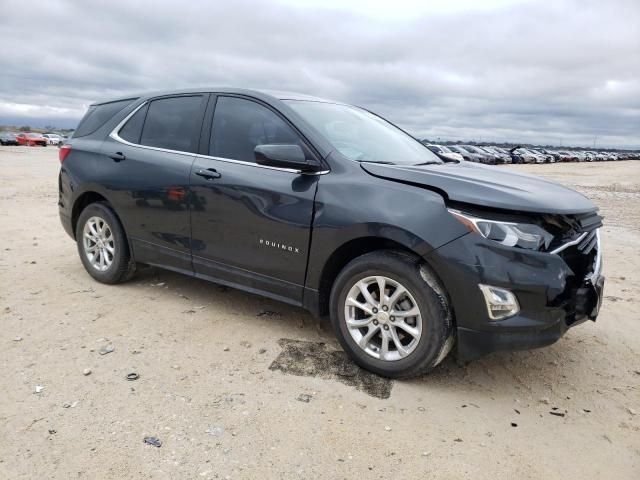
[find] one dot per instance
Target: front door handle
(117, 157)
(209, 173)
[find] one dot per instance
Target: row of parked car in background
(487, 154)
(31, 139)
(494, 155)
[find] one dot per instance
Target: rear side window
(173, 123)
(239, 125)
(97, 115)
(133, 128)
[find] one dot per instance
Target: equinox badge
(281, 246)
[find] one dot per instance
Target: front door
(250, 223)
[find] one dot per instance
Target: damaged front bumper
(554, 291)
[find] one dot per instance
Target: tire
(421, 353)
(121, 267)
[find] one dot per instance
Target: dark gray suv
(330, 207)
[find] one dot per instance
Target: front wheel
(391, 314)
(102, 245)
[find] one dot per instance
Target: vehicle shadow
(230, 300)
(553, 370)
(309, 348)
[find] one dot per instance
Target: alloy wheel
(99, 243)
(383, 318)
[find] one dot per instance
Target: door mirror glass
(283, 156)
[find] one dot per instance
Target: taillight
(63, 152)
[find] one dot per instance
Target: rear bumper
(66, 223)
(552, 297)
(65, 206)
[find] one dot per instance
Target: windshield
(362, 136)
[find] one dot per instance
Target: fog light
(501, 303)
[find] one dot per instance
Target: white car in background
(53, 138)
(522, 155)
(445, 152)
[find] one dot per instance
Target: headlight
(509, 234)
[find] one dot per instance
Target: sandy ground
(224, 375)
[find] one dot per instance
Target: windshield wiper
(384, 162)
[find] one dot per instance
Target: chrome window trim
(114, 135)
(252, 164)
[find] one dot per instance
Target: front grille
(588, 221)
(582, 257)
(577, 241)
(588, 243)
(570, 230)
(585, 261)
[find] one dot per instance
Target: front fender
(353, 205)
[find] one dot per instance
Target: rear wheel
(391, 314)
(102, 245)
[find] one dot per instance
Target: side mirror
(283, 156)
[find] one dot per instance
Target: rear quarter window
(97, 115)
(133, 128)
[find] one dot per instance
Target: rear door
(250, 223)
(149, 160)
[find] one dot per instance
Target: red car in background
(31, 139)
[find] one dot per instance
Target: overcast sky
(561, 72)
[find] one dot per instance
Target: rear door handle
(209, 173)
(117, 157)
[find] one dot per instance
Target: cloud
(566, 71)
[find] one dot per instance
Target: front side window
(239, 125)
(173, 123)
(362, 136)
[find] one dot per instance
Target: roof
(273, 94)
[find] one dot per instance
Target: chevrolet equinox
(330, 207)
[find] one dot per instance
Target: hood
(491, 187)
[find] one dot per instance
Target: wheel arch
(83, 201)
(89, 197)
(344, 254)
